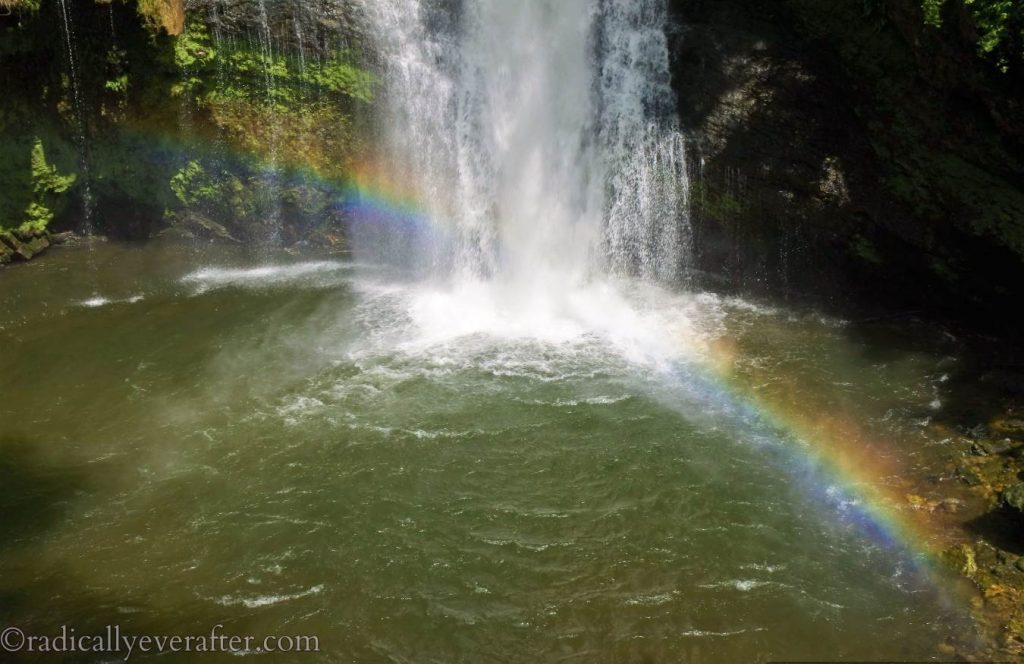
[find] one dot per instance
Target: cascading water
(541, 136)
(69, 41)
(532, 449)
(648, 188)
(272, 176)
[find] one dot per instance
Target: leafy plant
(1000, 25)
(47, 182)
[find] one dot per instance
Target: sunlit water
(191, 438)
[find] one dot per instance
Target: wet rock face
(313, 26)
(167, 14)
(823, 163)
(771, 147)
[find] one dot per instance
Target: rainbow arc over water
(829, 454)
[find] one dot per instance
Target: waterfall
(648, 231)
(539, 138)
(272, 177)
(83, 159)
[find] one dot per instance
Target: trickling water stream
(76, 102)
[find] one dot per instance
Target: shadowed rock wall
(846, 149)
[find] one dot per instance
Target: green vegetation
(232, 70)
(36, 188)
(999, 23)
(220, 195)
(47, 183)
(19, 5)
(176, 122)
(278, 118)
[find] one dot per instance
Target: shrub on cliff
(999, 25)
(47, 184)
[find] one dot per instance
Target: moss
(235, 70)
(341, 76)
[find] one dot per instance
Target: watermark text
(113, 642)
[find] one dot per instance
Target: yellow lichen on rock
(166, 14)
(962, 559)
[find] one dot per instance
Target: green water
(321, 448)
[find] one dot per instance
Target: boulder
(201, 226)
(38, 245)
(1013, 497)
(962, 559)
(23, 245)
(66, 238)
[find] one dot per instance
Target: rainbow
(827, 455)
(830, 455)
(362, 190)
(373, 196)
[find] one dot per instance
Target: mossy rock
(961, 559)
(1013, 497)
(24, 245)
(28, 233)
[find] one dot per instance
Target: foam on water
(98, 301)
(268, 600)
(324, 273)
(496, 326)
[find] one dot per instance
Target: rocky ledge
(990, 461)
(23, 245)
